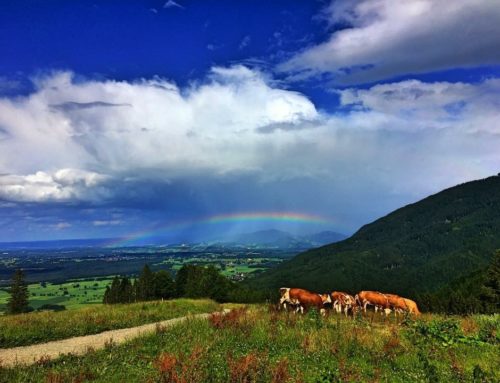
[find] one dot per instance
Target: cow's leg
(322, 311)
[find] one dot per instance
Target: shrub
(233, 319)
(445, 331)
(244, 369)
(280, 373)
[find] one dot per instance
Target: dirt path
(80, 345)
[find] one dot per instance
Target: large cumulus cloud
(138, 129)
(237, 141)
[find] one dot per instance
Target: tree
(112, 293)
(490, 291)
(125, 294)
(18, 301)
(164, 286)
(181, 279)
(107, 296)
(145, 285)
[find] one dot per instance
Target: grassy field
(72, 294)
(31, 328)
(262, 345)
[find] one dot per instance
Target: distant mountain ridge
(283, 239)
(271, 238)
(419, 247)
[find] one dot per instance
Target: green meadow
(260, 344)
(40, 327)
(72, 294)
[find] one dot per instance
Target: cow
(373, 298)
(411, 307)
(396, 303)
(286, 300)
(304, 299)
(343, 302)
(402, 305)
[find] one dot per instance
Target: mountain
(325, 237)
(420, 247)
(283, 239)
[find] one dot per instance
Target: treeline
(191, 281)
(477, 293)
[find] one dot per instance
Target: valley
(77, 277)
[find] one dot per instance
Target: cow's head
(326, 298)
(285, 295)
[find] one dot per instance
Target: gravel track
(26, 355)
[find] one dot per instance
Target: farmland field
(72, 294)
(62, 265)
(78, 277)
(262, 345)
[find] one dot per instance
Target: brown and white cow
(378, 300)
(303, 299)
(402, 305)
(343, 302)
(411, 306)
(396, 303)
(286, 301)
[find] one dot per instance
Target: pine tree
(114, 291)
(18, 301)
(125, 295)
(490, 291)
(164, 286)
(145, 285)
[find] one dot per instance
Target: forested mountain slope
(419, 247)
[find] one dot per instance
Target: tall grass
(261, 345)
(31, 328)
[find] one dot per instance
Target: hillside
(258, 345)
(419, 247)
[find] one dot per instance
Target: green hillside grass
(262, 345)
(420, 247)
(39, 327)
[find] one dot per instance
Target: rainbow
(218, 219)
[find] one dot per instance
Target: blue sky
(121, 115)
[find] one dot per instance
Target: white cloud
(62, 186)
(149, 126)
(61, 225)
(107, 222)
(245, 41)
(172, 4)
(389, 38)
(88, 140)
(407, 105)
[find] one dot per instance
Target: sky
(146, 116)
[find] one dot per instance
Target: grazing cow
(343, 302)
(402, 305)
(286, 300)
(396, 303)
(375, 299)
(304, 299)
(411, 306)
